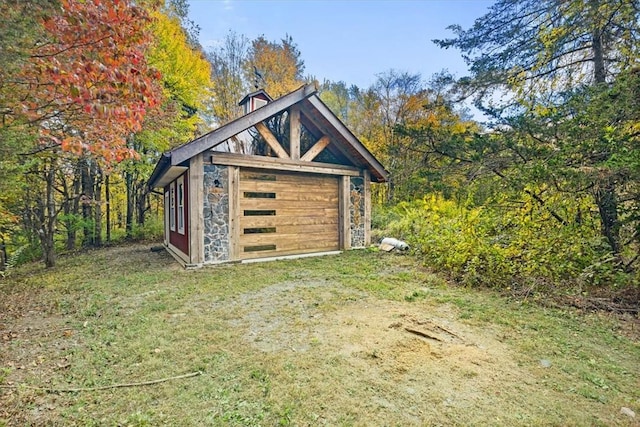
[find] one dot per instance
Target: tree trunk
(71, 211)
(107, 196)
(48, 215)
(76, 204)
(142, 203)
(97, 235)
(129, 182)
(606, 200)
(87, 203)
(3, 255)
(48, 250)
(599, 74)
(68, 221)
(605, 193)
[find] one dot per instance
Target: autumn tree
(276, 67)
(239, 66)
(80, 86)
(402, 119)
(179, 9)
(339, 97)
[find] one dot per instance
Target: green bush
(152, 229)
(480, 246)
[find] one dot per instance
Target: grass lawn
(362, 338)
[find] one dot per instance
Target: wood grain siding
(344, 219)
(277, 164)
(303, 215)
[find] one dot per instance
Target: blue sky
(351, 40)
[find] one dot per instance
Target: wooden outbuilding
(286, 178)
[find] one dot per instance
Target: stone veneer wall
(216, 213)
(356, 210)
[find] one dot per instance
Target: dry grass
(305, 342)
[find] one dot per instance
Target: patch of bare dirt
(419, 357)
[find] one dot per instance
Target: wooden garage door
(287, 213)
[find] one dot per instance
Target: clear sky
(348, 40)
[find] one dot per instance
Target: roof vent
(254, 100)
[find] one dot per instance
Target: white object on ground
(389, 243)
(628, 412)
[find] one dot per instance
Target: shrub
(152, 229)
(481, 246)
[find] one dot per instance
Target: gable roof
(322, 118)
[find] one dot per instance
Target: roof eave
(160, 169)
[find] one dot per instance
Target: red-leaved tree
(82, 87)
(88, 86)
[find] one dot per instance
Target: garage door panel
(303, 194)
(310, 212)
(285, 248)
(296, 221)
(286, 251)
(281, 230)
(285, 205)
(282, 239)
(268, 186)
(287, 213)
(284, 178)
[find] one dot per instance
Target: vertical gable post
(294, 132)
(367, 208)
(196, 205)
(344, 215)
(234, 213)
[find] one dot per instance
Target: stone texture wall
(356, 209)
(216, 213)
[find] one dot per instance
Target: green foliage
(560, 78)
(152, 229)
(539, 48)
(519, 249)
(75, 222)
(14, 260)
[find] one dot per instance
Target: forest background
(542, 199)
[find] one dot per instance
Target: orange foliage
(89, 86)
